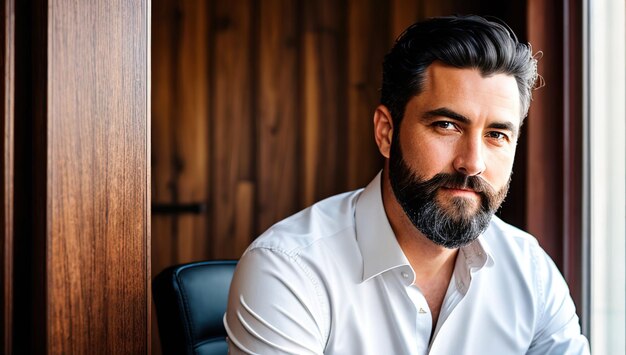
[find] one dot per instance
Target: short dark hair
(458, 41)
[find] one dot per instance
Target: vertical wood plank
(368, 41)
(166, 35)
(440, 8)
(7, 100)
(277, 113)
(574, 246)
(191, 121)
(403, 14)
(97, 189)
(164, 229)
(554, 177)
(232, 130)
(545, 150)
(150, 319)
(180, 130)
(181, 104)
(324, 129)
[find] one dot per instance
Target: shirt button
(405, 275)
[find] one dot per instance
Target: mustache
(453, 181)
(458, 181)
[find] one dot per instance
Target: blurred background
(261, 108)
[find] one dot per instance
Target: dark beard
(451, 227)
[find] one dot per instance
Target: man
(417, 262)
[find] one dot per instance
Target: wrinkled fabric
(332, 279)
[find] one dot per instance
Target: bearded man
(417, 262)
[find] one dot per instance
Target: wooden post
(82, 182)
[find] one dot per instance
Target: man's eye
(445, 125)
(497, 136)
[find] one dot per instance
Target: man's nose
(469, 158)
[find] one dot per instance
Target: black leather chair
(190, 301)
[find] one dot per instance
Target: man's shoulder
(518, 249)
(319, 222)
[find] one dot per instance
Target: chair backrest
(190, 301)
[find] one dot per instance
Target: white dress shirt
(332, 279)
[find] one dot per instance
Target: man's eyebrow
(508, 126)
(446, 112)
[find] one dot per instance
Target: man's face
(451, 162)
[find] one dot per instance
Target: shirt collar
(379, 248)
(471, 258)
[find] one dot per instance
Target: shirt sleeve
(558, 329)
(274, 306)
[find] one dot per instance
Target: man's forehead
(446, 81)
(470, 93)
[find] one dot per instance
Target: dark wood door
(77, 127)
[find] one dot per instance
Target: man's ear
(383, 129)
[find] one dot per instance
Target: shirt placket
(423, 318)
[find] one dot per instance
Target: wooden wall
(7, 96)
(97, 115)
(76, 177)
(556, 149)
(261, 108)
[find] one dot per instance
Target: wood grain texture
(403, 14)
(323, 130)
(545, 149)
(7, 99)
(276, 112)
(165, 38)
(165, 33)
(180, 95)
(233, 128)
(368, 41)
(180, 127)
(190, 131)
(555, 167)
(97, 193)
(292, 86)
(574, 246)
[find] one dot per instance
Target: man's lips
(459, 191)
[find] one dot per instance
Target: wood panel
(166, 33)
(323, 130)
(97, 189)
(7, 99)
(545, 149)
(232, 129)
(276, 114)
(403, 14)
(180, 128)
(575, 246)
(555, 168)
(368, 41)
(290, 90)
